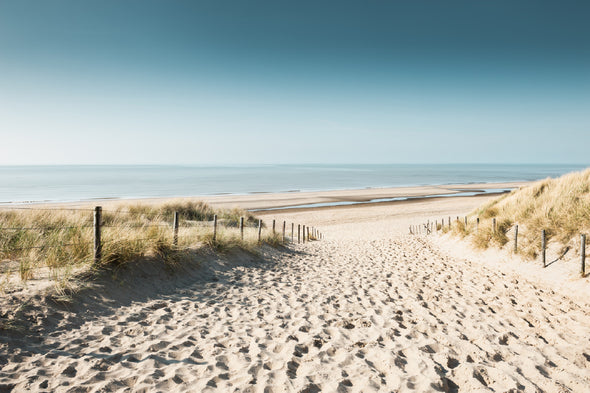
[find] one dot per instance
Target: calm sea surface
(73, 183)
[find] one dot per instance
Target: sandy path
(365, 310)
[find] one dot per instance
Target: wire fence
(430, 227)
(102, 234)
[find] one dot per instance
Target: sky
(262, 82)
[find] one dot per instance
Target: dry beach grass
(559, 206)
(61, 240)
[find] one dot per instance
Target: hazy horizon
(263, 83)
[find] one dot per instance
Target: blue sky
(220, 82)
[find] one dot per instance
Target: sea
(66, 183)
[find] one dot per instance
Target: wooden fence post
(259, 230)
(284, 225)
(449, 222)
(273, 227)
(543, 247)
(97, 241)
(477, 225)
(214, 227)
(465, 222)
(303, 234)
(242, 227)
(298, 233)
(494, 226)
(583, 254)
(175, 226)
(516, 238)
(292, 232)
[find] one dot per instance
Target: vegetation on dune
(190, 211)
(560, 206)
(62, 240)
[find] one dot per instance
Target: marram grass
(560, 206)
(62, 240)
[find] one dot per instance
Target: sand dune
(370, 308)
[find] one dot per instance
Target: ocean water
(20, 184)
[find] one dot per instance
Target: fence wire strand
(7, 208)
(43, 228)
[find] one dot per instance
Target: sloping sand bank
(370, 308)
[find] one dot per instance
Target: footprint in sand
(70, 371)
(292, 367)
(452, 363)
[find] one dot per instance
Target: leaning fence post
(284, 225)
(242, 227)
(543, 247)
(97, 242)
(259, 229)
(516, 238)
(583, 254)
(175, 226)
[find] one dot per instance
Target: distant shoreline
(308, 200)
(75, 184)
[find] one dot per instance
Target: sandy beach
(261, 201)
(370, 308)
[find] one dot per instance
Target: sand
(369, 308)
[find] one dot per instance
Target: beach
(369, 308)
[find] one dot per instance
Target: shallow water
(73, 183)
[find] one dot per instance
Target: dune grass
(62, 240)
(560, 206)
